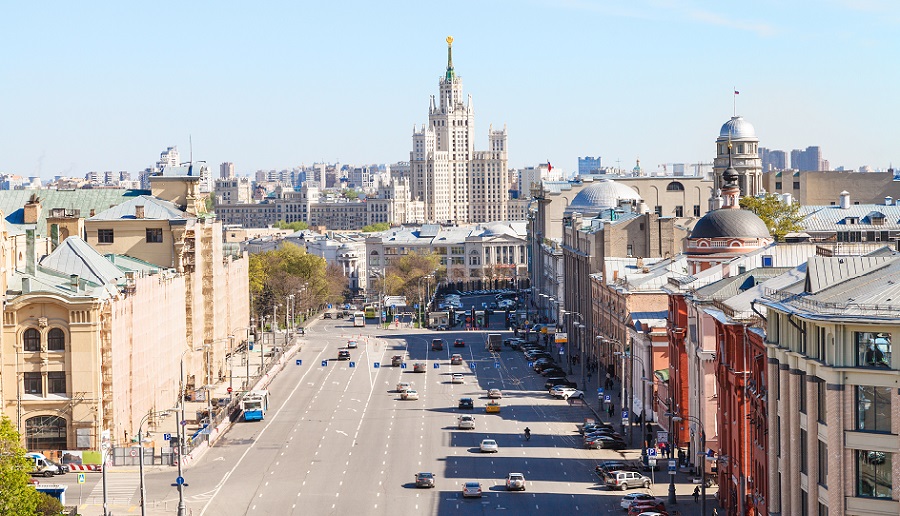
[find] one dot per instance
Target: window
(104, 236)
(56, 382)
(874, 349)
(658, 211)
(33, 383)
(32, 340)
(803, 393)
(696, 210)
(154, 235)
(823, 464)
(873, 474)
(778, 185)
(679, 211)
(804, 452)
(45, 433)
(821, 401)
(675, 186)
(796, 185)
(823, 509)
(56, 340)
(630, 250)
(873, 408)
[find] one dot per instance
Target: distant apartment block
(226, 170)
(772, 159)
(589, 165)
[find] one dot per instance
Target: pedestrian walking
(589, 376)
(697, 494)
(610, 410)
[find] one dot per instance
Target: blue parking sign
(652, 453)
(607, 399)
(496, 365)
(624, 414)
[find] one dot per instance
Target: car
(654, 513)
(605, 432)
(465, 422)
(494, 394)
(343, 354)
(459, 343)
(607, 466)
(327, 315)
(300, 330)
(397, 361)
(352, 344)
(339, 315)
(552, 372)
(409, 394)
(466, 403)
(626, 479)
(419, 367)
(575, 394)
(403, 386)
(604, 443)
(424, 479)
(456, 359)
(630, 498)
(489, 446)
(638, 508)
(559, 380)
(437, 344)
(456, 378)
(471, 490)
(441, 327)
(506, 303)
(562, 391)
(515, 482)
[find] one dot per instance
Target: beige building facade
(825, 187)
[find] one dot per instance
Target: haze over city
(106, 86)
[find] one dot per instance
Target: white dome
(737, 128)
(603, 194)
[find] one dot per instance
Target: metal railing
(803, 302)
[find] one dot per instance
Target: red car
(639, 507)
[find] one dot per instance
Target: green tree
(403, 274)
(48, 506)
(17, 496)
(378, 226)
(289, 270)
(350, 194)
(294, 226)
(780, 218)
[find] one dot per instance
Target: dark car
(559, 381)
(466, 403)
(343, 355)
(424, 479)
(552, 372)
(339, 315)
(604, 442)
(459, 343)
(437, 344)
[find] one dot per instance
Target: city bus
(371, 312)
(255, 405)
(359, 319)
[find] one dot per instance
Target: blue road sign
(652, 453)
(179, 480)
(403, 365)
(329, 307)
(167, 437)
(671, 467)
(607, 399)
(530, 364)
(81, 478)
(624, 414)
(472, 365)
(383, 313)
(250, 345)
(324, 363)
(437, 365)
(352, 364)
(299, 362)
(496, 365)
(599, 391)
(416, 306)
(376, 365)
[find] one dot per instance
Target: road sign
(179, 480)
(662, 437)
(403, 365)
(352, 364)
(324, 363)
(651, 463)
(167, 437)
(671, 467)
(299, 362)
(437, 365)
(496, 365)
(81, 478)
(416, 306)
(134, 452)
(607, 399)
(599, 391)
(624, 414)
(530, 364)
(376, 365)
(472, 365)
(652, 453)
(562, 351)
(184, 422)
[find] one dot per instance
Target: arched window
(45, 433)
(675, 186)
(56, 340)
(32, 339)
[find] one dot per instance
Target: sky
(96, 86)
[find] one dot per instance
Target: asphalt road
(338, 440)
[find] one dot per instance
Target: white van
(43, 466)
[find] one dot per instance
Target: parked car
(630, 498)
(626, 479)
(515, 482)
(559, 380)
(552, 372)
(489, 446)
(575, 394)
(466, 403)
(471, 490)
(561, 391)
(424, 479)
(604, 442)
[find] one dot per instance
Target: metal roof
(75, 256)
(834, 218)
(12, 204)
(154, 209)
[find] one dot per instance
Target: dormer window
(851, 220)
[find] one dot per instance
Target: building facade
(737, 146)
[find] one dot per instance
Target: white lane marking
(253, 444)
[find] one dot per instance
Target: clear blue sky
(107, 86)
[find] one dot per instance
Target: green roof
(12, 204)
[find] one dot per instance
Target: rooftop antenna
(191, 146)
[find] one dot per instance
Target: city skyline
(103, 88)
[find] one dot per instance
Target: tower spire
(450, 73)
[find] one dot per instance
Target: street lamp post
(672, 498)
(141, 450)
(701, 453)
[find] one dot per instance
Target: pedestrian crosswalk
(121, 487)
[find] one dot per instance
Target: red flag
(736, 92)
(549, 166)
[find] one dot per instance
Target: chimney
(32, 210)
(138, 212)
(888, 200)
(73, 280)
(26, 285)
(787, 199)
(845, 200)
(29, 252)
(93, 212)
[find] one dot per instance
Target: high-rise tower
(457, 184)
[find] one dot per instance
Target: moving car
(466, 403)
(326, 315)
(494, 394)
(437, 344)
(515, 482)
(409, 394)
(575, 394)
(403, 387)
(456, 378)
(561, 391)
(471, 490)
(456, 359)
(424, 479)
(397, 361)
(466, 422)
(343, 354)
(639, 508)
(352, 344)
(459, 343)
(630, 498)
(489, 446)
(419, 367)
(626, 479)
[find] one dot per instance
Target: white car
(489, 446)
(506, 303)
(574, 394)
(471, 489)
(628, 499)
(403, 387)
(456, 378)
(466, 423)
(352, 344)
(562, 392)
(410, 394)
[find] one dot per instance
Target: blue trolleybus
(254, 405)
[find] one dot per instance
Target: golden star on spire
(449, 40)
